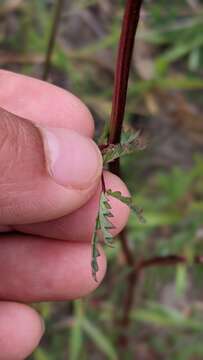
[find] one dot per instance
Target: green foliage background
(167, 316)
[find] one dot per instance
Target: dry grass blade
(14, 58)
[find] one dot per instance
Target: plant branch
(134, 277)
(129, 258)
(128, 301)
(52, 38)
(165, 261)
(129, 27)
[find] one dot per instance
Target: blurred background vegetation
(165, 320)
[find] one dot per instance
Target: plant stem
(128, 31)
(134, 277)
(130, 291)
(129, 27)
(52, 38)
(103, 183)
(129, 258)
(127, 306)
(165, 261)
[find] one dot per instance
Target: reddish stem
(129, 27)
(103, 183)
(165, 261)
(129, 258)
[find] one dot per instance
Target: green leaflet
(130, 144)
(95, 251)
(102, 223)
(128, 137)
(128, 201)
(105, 224)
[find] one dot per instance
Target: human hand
(49, 190)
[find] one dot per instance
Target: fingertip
(119, 210)
(82, 282)
(72, 160)
(79, 225)
(51, 172)
(19, 93)
(92, 284)
(64, 269)
(21, 326)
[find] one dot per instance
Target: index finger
(44, 103)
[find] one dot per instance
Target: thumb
(45, 172)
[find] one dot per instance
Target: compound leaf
(104, 224)
(129, 202)
(129, 145)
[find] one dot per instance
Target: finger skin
(34, 269)
(29, 192)
(20, 330)
(43, 103)
(79, 225)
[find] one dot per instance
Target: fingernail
(72, 159)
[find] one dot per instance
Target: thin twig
(52, 39)
(129, 258)
(128, 301)
(165, 261)
(134, 277)
(127, 306)
(14, 58)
